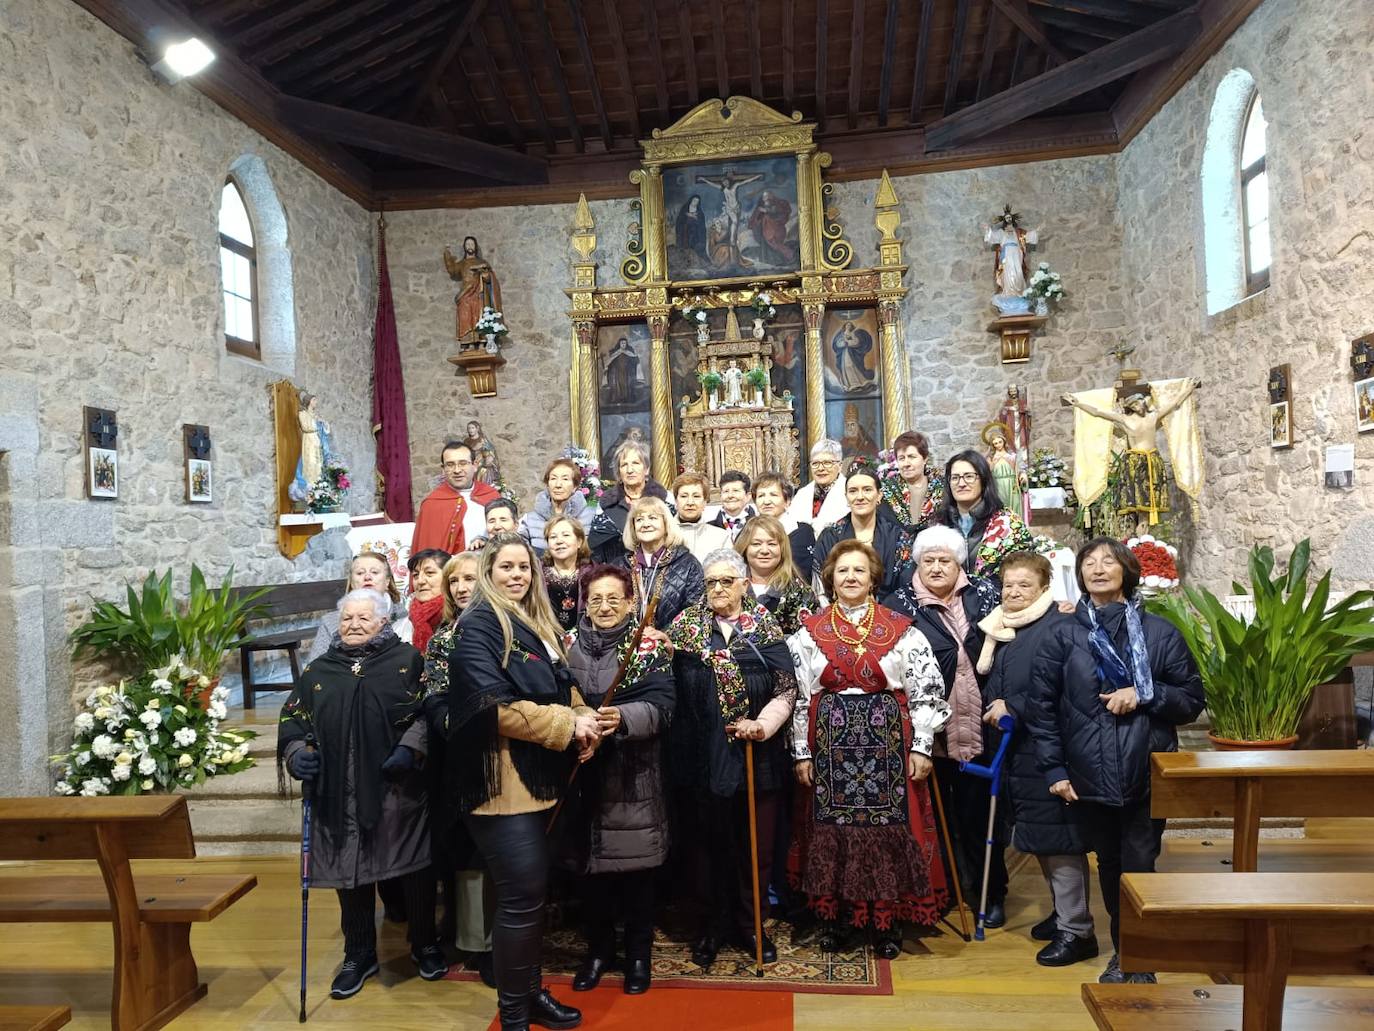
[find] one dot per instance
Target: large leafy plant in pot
(1259, 674)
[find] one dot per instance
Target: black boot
(704, 950)
(638, 974)
(745, 940)
(546, 1011)
(514, 1011)
(996, 916)
(589, 974)
(832, 937)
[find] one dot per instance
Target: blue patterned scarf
(1112, 671)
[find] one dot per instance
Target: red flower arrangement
(1158, 561)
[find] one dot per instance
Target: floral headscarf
(691, 632)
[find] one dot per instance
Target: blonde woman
(366, 570)
(516, 726)
(773, 576)
(660, 563)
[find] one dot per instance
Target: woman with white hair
(734, 684)
(868, 685)
(661, 564)
(360, 701)
(633, 481)
(822, 501)
(946, 604)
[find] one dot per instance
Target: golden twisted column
(896, 415)
(664, 459)
(590, 422)
(815, 380)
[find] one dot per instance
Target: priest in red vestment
(452, 514)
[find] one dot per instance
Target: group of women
(603, 709)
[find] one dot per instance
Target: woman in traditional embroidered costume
(734, 684)
(867, 684)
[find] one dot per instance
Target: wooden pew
(34, 1018)
(1248, 785)
(155, 975)
(1266, 926)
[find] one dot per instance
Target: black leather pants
(516, 851)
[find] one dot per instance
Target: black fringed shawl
(357, 700)
(478, 684)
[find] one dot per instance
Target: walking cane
(307, 793)
(754, 859)
(934, 789)
(994, 774)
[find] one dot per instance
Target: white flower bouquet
(695, 312)
(591, 486)
(151, 734)
(1048, 470)
(763, 306)
(491, 323)
(1044, 283)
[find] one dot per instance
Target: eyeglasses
(823, 463)
(725, 582)
(963, 477)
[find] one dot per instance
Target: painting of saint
(857, 425)
(850, 342)
(624, 361)
(732, 218)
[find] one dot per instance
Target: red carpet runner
(678, 1009)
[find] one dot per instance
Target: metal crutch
(307, 798)
(992, 773)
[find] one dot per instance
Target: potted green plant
(214, 621)
(1259, 675)
(757, 377)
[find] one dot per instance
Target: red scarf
(424, 620)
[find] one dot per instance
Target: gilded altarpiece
(732, 205)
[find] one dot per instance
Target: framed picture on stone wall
(102, 472)
(1364, 405)
(1280, 425)
(198, 486)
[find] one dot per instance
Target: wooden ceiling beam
(378, 94)
(480, 43)
(689, 52)
(522, 60)
(615, 29)
(751, 10)
(718, 45)
(246, 31)
(1113, 10)
(283, 44)
(989, 52)
(822, 57)
(1018, 61)
(789, 64)
(236, 87)
(560, 77)
(420, 34)
(1083, 24)
(409, 141)
(856, 62)
(956, 55)
(1019, 15)
(889, 46)
(306, 60)
(464, 100)
(372, 78)
(584, 46)
(656, 52)
(918, 78)
(1081, 75)
(439, 63)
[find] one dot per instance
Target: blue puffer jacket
(532, 523)
(1107, 758)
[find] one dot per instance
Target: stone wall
(110, 296)
(956, 377)
(1309, 61)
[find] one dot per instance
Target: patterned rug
(801, 965)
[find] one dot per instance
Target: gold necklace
(863, 628)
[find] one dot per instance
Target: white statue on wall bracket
(1011, 265)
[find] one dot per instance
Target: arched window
(1254, 198)
(238, 261)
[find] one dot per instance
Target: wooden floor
(250, 958)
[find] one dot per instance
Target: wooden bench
(155, 975)
(1265, 926)
(285, 601)
(1248, 785)
(34, 1018)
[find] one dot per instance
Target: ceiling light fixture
(180, 60)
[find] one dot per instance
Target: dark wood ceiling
(454, 101)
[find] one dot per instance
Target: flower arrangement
(1044, 284)
(887, 464)
(710, 381)
(1047, 469)
(1043, 545)
(762, 304)
(327, 493)
(695, 312)
(757, 378)
(491, 323)
(148, 734)
(1158, 562)
(591, 486)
